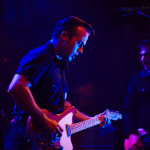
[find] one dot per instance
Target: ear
(64, 35)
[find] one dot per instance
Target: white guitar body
(65, 141)
(65, 120)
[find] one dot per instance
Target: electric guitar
(44, 141)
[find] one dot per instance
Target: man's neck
(55, 44)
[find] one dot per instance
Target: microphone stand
(143, 14)
(126, 11)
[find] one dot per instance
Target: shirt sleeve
(33, 67)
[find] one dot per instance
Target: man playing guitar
(39, 88)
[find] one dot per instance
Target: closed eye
(80, 43)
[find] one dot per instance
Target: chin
(70, 58)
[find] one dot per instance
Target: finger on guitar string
(59, 131)
(51, 126)
(102, 120)
(109, 121)
(105, 123)
(60, 128)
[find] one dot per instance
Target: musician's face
(145, 57)
(72, 46)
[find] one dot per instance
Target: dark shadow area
(6, 108)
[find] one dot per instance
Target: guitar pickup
(68, 130)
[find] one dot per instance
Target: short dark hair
(143, 43)
(69, 24)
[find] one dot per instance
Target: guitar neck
(84, 125)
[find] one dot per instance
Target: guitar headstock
(112, 115)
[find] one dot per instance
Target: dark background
(100, 76)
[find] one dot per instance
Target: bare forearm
(24, 98)
(80, 116)
(19, 88)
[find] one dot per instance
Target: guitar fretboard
(83, 125)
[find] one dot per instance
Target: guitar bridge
(68, 130)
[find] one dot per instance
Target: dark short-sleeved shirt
(48, 76)
(137, 104)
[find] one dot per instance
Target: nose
(80, 50)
